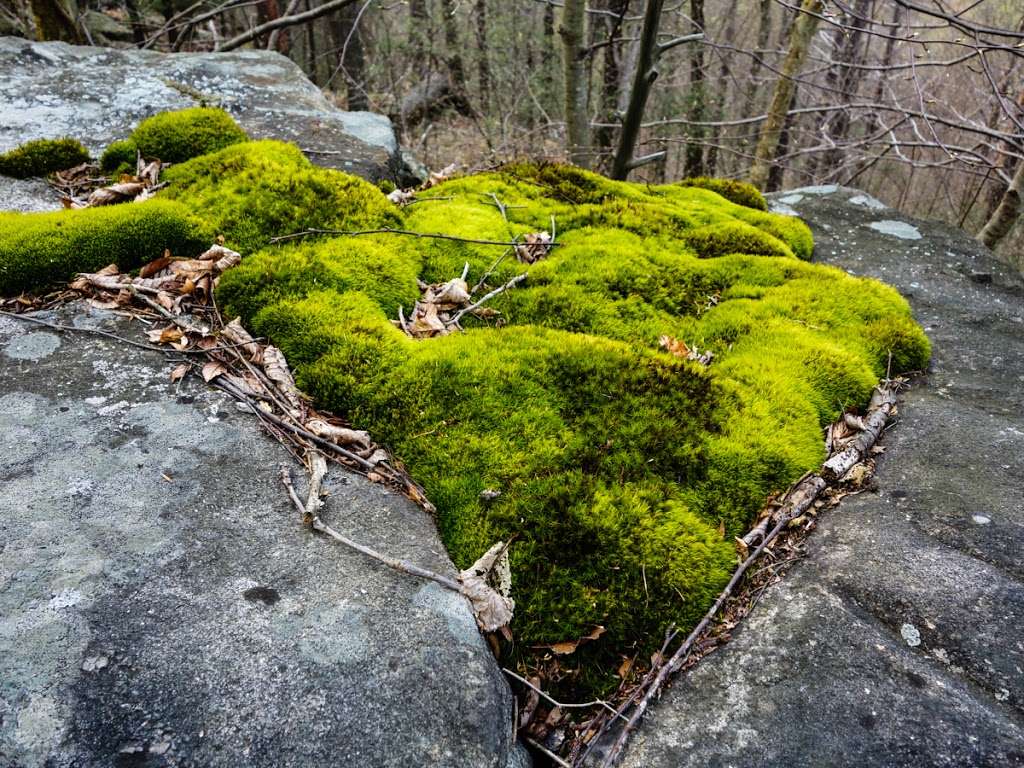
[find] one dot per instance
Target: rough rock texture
(897, 642)
(98, 95)
(161, 604)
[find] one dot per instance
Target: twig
(547, 752)
(98, 332)
(494, 266)
(284, 21)
(403, 566)
(543, 695)
(476, 305)
(390, 231)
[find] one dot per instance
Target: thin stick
(494, 266)
(390, 231)
(476, 305)
(403, 566)
(547, 752)
(543, 695)
(98, 332)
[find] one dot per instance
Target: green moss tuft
(40, 249)
(175, 137)
(42, 156)
(619, 465)
(739, 192)
(254, 191)
(119, 157)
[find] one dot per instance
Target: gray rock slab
(162, 605)
(98, 95)
(898, 640)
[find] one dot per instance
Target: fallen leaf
(167, 335)
(487, 584)
(212, 370)
(625, 668)
(179, 372)
(534, 247)
(339, 435)
(155, 265)
(674, 346)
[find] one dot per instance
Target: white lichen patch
(895, 228)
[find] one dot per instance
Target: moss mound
(42, 156)
(624, 472)
(254, 191)
(175, 137)
(739, 192)
(40, 249)
(121, 156)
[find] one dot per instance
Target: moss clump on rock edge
(619, 465)
(175, 137)
(41, 157)
(41, 249)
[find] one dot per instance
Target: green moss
(40, 249)
(739, 192)
(254, 191)
(42, 156)
(175, 137)
(619, 465)
(119, 157)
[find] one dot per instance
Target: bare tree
(577, 75)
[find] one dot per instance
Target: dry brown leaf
(104, 304)
(487, 584)
(179, 372)
(167, 335)
(277, 369)
(212, 370)
(339, 435)
(115, 193)
(401, 197)
(156, 265)
(534, 247)
(674, 346)
(569, 646)
(234, 333)
(625, 668)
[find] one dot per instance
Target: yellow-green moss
(619, 465)
(257, 190)
(42, 156)
(739, 192)
(120, 156)
(175, 137)
(40, 249)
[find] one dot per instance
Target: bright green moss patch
(254, 191)
(42, 156)
(41, 249)
(739, 192)
(175, 137)
(624, 472)
(119, 156)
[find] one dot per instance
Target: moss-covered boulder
(41, 157)
(254, 191)
(38, 250)
(624, 472)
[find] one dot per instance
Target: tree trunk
(722, 90)
(1006, 213)
(764, 27)
(55, 20)
(418, 30)
(348, 42)
(799, 43)
(577, 129)
(847, 82)
(451, 39)
(694, 165)
(483, 65)
(611, 77)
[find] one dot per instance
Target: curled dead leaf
(212, 370)
(534, 247)
(487, 584)
(339, 435)
(179, 373)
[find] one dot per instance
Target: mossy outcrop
(38, 250)
(41, 157)
(622, 471)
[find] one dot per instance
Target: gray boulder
(98, 95)
(161, 603)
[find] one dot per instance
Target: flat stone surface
(97, 95)
(161, 604)
(897, 641)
